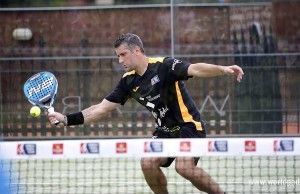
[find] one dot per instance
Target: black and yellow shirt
(162, 91)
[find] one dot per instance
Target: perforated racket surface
(40, 89)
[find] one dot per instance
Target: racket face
(41, 88)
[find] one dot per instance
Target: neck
(143, 65)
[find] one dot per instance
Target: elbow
(199, 73)
(197, 70)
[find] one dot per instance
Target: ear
(137, 50)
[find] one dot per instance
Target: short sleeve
(119, 95)
(177, 68)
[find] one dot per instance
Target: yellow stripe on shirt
(155, 59)
(186, 116)
(129, 73)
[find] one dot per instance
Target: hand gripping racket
(40, 90)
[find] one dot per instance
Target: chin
(128, 69)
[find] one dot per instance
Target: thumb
(229, 70)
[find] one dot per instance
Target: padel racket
(40, 90)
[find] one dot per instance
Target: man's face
(126, 57)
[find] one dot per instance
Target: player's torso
(155, 91)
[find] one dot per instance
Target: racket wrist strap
(75, 119)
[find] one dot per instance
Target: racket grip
(51, 110)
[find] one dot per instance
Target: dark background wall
(267, 101)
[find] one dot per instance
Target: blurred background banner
(73, 39)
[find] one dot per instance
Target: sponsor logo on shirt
(26, 149)
(163, 111)
(155, 80)
(176, 61)
(136, 88)
(150, 98)
(283, 145)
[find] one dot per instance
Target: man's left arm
(210, 70)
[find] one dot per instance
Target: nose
(121, 60)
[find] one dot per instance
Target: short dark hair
(131, 40)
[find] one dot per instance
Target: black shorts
(186, 131)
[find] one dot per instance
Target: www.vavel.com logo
(26, 149)
(153, 146)
(89, 148)
(283, 145)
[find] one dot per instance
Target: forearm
(91, 114)
(205, 70)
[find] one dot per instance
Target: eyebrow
(122, 53)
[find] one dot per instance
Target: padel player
(157, 84)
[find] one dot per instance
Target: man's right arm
(87, 115)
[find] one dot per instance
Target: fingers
(230, 71)
(239, 78)
(53, 120)
(56, 119)
(227, 70)
(238, 71)
(240, 74)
